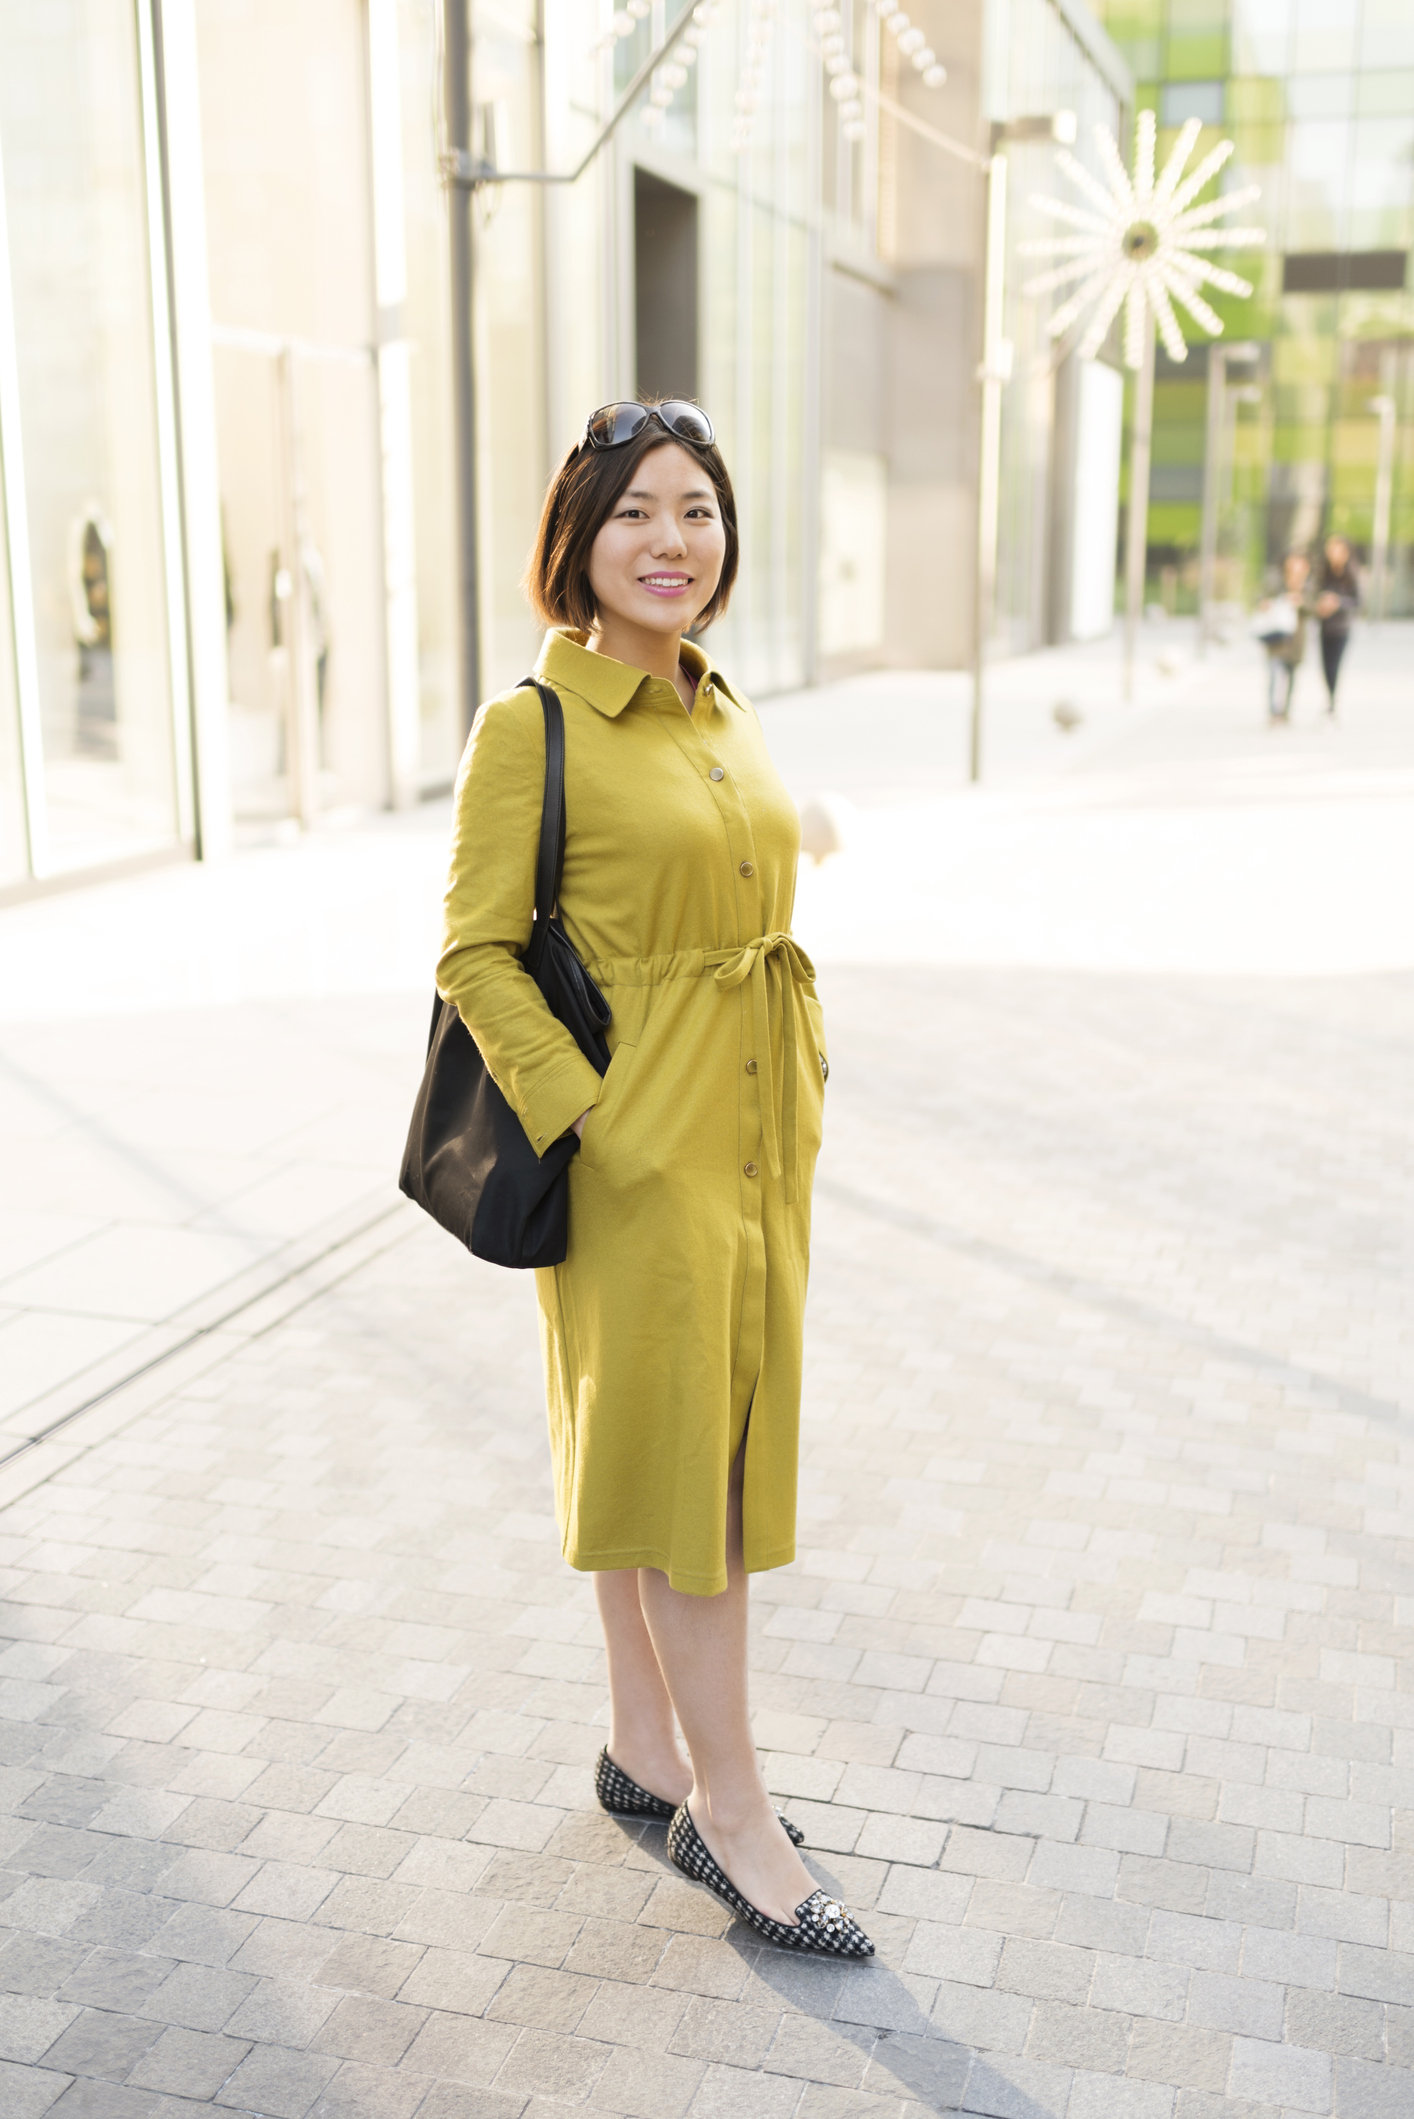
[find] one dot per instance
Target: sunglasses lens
(688, 421)
(612, 425)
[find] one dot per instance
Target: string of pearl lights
(674, 73)
(827, 24)
(912, 43)
(846, 87)
(827, 28)
(623, 24)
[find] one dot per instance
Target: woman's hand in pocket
(603, 1108)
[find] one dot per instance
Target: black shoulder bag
(468, 1160)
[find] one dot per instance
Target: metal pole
(456, 47)
(992, 374)
(1384, 487)
(1137, 540)
(1212, 490)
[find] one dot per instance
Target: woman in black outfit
(1337, 600)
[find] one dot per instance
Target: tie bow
(788, 966)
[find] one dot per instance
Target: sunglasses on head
(613, 425)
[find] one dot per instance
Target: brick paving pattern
(1087, 1685)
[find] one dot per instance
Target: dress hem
(691, 1585)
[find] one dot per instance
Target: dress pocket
(599, 1126)
(821, 1057)
(812, 1068)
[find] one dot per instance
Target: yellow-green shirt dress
(679, 1309)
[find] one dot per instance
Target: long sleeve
(488, 919)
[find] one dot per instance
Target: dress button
(750, 1169)
(747, 869)
(751, 1066)
(716, 773)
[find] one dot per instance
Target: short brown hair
(580, 501)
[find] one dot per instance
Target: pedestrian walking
(672, 1332)
(1280, 625)
(1337, 601)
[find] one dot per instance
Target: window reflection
(76, 211)
(1325, 37)
(1317, 170)
(1261, 36)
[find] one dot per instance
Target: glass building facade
(226, 546)
(674, 265)
(1313, 433)
(94, 756)
(229, 567)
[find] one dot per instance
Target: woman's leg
(1332, 649)
(1283, 676)
(642, 1740)
(1277, 672)
(701, 1650)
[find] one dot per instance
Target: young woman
(672, 1332)
(1286, 650)
(1337, 601)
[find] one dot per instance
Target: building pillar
(199, 471)
(400, 631)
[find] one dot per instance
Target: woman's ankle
(731, 1811)
(649, 1756)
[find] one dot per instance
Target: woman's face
(657, 560)
(1337, 552)
(1296, 569)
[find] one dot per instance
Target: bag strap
(550, 857)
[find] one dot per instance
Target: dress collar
(607, 685)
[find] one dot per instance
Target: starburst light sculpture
(1142, 242)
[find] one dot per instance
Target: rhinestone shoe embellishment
(822, 1922)
(623, 1797)
(828, 1913)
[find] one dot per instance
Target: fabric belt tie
(769, 962)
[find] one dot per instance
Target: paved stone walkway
(1086, 1686)
(205, 1072)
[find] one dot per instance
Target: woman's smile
(665, 584)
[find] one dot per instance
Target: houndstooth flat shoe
(622, 1797)
(824, 1924)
